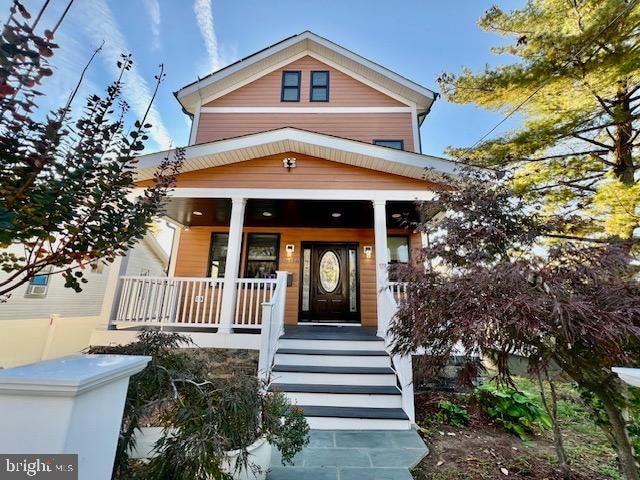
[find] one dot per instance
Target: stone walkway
(353, 455)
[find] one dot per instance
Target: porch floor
(353, 455)
(329, 332)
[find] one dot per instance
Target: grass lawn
(483, 450)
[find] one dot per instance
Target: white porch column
(382, 264)
(232, 265)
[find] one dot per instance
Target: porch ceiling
(288, 213)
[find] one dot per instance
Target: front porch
(232, 259)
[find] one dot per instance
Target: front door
(329, 286)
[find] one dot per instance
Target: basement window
(319, 86)
(397, 144)
(290, 86)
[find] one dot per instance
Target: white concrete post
(70, 405)
(229, 291)
(382, 264)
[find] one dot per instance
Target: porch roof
(289, 139)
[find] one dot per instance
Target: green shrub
(205, 412)
(453, 414)
(513, 410)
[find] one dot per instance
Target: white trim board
(288, 139)
(299, 194)
(252, 110)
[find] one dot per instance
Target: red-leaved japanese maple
(490, 282)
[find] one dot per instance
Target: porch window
(398, 248)
(290, 86)
(319, 86)
(262, 255)
(39, 284)
(218, 254)
(397, 144)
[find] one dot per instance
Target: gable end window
(397, 144)
(319, 86)
(290, 86)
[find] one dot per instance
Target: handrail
(272, 325)
(401, 364)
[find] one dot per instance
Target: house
(42, 319)
(303, 161)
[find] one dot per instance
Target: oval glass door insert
(329, 271)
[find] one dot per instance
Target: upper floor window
(319, 86)
(290, 86)
(39, 284)
(398, 144)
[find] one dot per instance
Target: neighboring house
(46, 295)
(304, 160)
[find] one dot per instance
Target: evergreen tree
(575, 86)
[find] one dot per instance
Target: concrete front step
(370, 343)
(329, 375)
(356, 418)
(346, 357)
(385, 396)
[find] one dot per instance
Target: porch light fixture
(336, 214)
(368, 250)
(186, 228)
(289, 163)
(197, 213)
(267, 214)
(289, 248)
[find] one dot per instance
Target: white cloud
(153, 8)
(99, 23)
(204, 17)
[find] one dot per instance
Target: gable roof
(289, 139)
(306, 43)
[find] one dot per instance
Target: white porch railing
(402, 364)
(398, 290)
(170, 301)
(272, 326)
(251, 294)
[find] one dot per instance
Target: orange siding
(193, 255)
(310, 173)
(344, 91)
(364, 127)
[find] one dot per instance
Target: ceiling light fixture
(396, 215)
(267, 214)
(336, 214)
(197, 212)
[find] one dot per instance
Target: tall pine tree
(575, 86)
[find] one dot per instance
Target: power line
(548, 79)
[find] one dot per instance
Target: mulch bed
(482, 450)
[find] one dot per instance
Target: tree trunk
(628, 466)
(624, 168)
(552, 410)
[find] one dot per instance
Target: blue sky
(418, 39)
